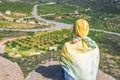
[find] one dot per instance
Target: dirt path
(52, 71)
(2, 42)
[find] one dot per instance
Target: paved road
(27, 30)
(108, 32)
(58, 24)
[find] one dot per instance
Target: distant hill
(107, 5)
(28, 0)
(110, 6)
(11, 0)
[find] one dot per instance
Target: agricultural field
(56, 8)
(38, 42)
(67, 13)
(12, 34)
(6, 24)
(16, 7)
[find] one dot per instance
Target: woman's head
(81, 28)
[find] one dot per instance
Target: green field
(56, 8)
(11, 34)
(96, 19)
(16, 7)
(38, 42)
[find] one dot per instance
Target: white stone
(53, 48)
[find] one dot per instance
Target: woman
(80, 56)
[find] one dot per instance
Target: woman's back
(80, 56)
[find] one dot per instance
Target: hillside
(109, 6)
(29, 1)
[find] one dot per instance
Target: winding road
(58, 24)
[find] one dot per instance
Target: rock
(17, 56)
(1, 50)
(53, 71)
(28, 68)
(43, 62)
(11, 54)
(22, 59)
(10, 70)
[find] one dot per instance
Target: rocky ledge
(52, 71)
(10, 70)
(48, 71)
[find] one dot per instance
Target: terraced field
(38, 42)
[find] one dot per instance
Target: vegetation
(45, 1)
(56, 8)
(41, 41)
(38, 42)
(12, 34)
(16, 7)
(108, 6)
(29, 63)
(96, 19)
(6, 24)
(26, 23)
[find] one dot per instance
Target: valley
(50, 25)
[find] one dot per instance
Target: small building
(0, 1)
(31, 22)
(54, 48)
(88, 9)
(50, 3)
(76, 13)
(18, 21)
(19, 14)
(8, 12)
(58, 17)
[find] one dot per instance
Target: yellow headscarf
(81, 28)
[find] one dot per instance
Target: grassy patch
(12, 34)
(16, 7)
(56, 8)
